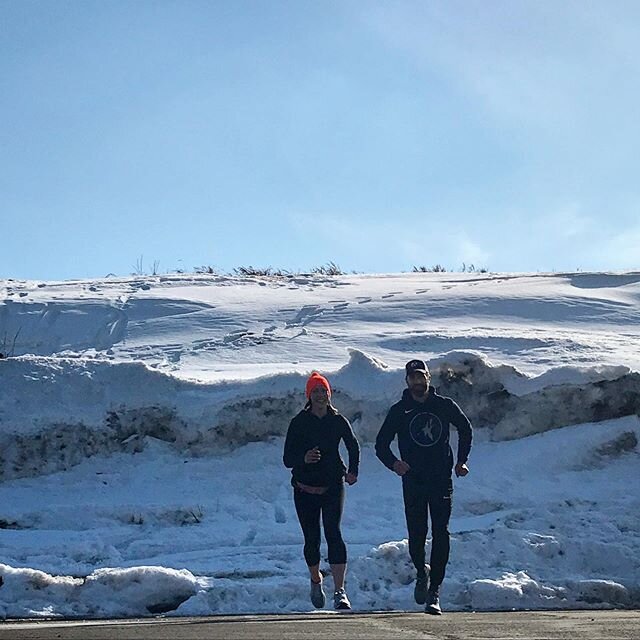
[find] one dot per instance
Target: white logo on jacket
(426, 429)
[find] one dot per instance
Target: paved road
(557, 625)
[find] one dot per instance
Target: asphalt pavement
(521, 625)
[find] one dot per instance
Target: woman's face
(319, 396)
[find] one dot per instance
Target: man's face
(418, 383)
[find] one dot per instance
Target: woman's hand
(351, 478)
(312, 456)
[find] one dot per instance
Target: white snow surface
(142, 423)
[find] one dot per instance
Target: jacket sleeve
(383, 441)
(353, 448)
(293, 447)
(465, 433)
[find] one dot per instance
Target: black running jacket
(422, 429)
(307, 431)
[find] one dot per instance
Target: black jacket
(307, 431)
(423, 435)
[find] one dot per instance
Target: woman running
(318, 476)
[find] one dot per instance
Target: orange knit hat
(316, 380)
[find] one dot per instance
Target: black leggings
(309, 507)
(435, 498)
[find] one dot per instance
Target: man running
(421, 421)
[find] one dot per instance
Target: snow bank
(512, 405)
(55, 412)
(517, 591)
(109, 593)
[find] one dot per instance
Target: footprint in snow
(307, 314)
(234, 336)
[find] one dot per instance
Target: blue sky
(378, 135)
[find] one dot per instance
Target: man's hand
(351, 478)
(312, 456)
(461, 470)
(401, 467)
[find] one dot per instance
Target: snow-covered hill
(141, 425)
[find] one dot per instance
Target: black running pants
(329, 506)
(433, 498)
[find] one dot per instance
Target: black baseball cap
(416, 365)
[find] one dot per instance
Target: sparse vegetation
(139, 270)
(471, 268)
(193, 516)
(329, 269)
(256, 271)
(437, 268)
(136, 518)
(138, 267)
(7, 351)
(9, 524)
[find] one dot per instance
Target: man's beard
(418, 389)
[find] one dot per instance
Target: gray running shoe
(340, 600)
(420, 589)
(433, 603)
(318, 599)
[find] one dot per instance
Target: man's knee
(440, 532)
